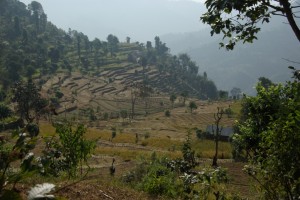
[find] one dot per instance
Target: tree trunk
(290, 17)
(215, 159)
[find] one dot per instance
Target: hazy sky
(141, 20)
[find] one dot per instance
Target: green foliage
(10, 194)
(269, 134)
(20, 153)
(29, 102)
(5, 111)
(159, 180)
(67, 153)
(112, 43)
(188, 153)
(229, 112)
(167, 113)
(238, 20)
(265, 82)
(59, 94)
(113, 133)
(32, 47)
(193, 106)
(206, 183)
(223, 94)
(155, 178)
(199, 134)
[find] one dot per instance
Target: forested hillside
(32, 47)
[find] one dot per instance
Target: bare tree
(217, 131)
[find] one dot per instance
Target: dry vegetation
(138, 139)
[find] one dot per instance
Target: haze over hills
(141, 20)
(247, 62)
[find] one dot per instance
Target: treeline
(33, 47)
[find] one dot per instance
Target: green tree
(223, 94)
(113, 44)
(184, 95)
(149, 45)
(265, 82)
(193, 106)
(160, 47)
(173, 97)
(16, 159)
(29, 102)
(269, 132)
(239, 20)
(113, 133)
(75, 150)
(128, 40)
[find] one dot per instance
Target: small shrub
(229, 112)
(199, 134)
(69, 152)
(59, 94)
(144, 143)
(167, 113)
(159, 181)
(147, 135)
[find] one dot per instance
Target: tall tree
(239, 20)
(269, 133)
(173, 97)
(28, 99)
(217, 132)
(112, 42)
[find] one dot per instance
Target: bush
(144, 143)
(199, 134)
(59, 94)
(67, 153)
(167, 113)
(147, 135)
(159, 181)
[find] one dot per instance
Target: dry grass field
(137, 139)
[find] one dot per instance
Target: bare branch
(291, 61)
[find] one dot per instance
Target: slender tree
(217, 132)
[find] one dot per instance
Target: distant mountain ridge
(247, 62)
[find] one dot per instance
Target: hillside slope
(67, 64)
